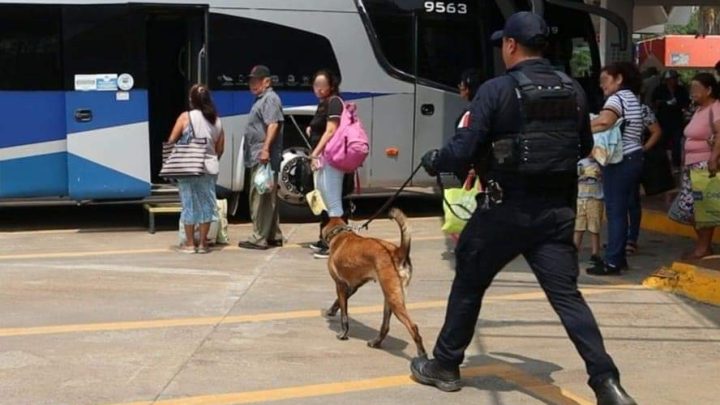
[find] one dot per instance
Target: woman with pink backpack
(340, 148)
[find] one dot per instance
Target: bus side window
(581, 61)
(292, 55)
(30, 47)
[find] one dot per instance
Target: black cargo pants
(541, 229)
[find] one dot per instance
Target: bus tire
(239, 205)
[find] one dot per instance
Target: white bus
(89, 90)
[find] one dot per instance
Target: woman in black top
(326, 86)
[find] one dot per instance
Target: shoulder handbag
(713, 131)
(184, 159)
(212, 163)
(657, 176)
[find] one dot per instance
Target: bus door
(107, 127)
(176, 60)
(573, 44)
(574, 49)
(115, 120)
(449, 39)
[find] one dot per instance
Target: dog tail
(402, 255)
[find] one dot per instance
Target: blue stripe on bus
(31, 117)
(35, 176)
(238, 102)
(44, 116)
(107, 111)
(89, 180)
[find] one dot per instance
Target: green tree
(690, 29)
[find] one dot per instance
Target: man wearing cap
(263, 144)
(529, 127)
(670, 100)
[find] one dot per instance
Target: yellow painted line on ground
(688, 280)
(70, 255)
(525, 382)
(266, 317)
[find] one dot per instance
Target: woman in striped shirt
(620, 83)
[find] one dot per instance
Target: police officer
(532, 126)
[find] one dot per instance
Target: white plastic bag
(218, 233)
(264, 179)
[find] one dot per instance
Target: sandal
(631, 248)
(187, 249)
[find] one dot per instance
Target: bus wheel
(239, 206)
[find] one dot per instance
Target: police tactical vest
(549, 141)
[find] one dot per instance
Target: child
(589, 206)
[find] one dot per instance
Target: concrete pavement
(109, 317)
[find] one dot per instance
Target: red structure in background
(679, 51)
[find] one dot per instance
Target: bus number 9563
(442, 7)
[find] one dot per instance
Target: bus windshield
(435, 41)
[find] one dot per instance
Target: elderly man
(263, 145)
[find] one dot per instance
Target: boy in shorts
(589, 206)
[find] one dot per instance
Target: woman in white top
(620, 83)
(197, 194)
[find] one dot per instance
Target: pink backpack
(349, 146)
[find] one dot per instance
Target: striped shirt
(625, 104)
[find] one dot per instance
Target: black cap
(259, 72)
(525, 27)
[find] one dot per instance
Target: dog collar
(336, 231)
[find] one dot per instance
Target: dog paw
(328, 313)
(375, 343)
(342, 336)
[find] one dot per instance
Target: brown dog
(355, 260)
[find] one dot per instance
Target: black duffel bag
(657, 176)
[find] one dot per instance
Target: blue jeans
(330, 185)
(634, 216)
(620, 181)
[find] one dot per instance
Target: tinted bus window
(97, 40)
(30, 48)
(104, 39)
(293, 56)
(394, 29)
(451, 36)
(449, 43)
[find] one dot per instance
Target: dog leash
(391, 199)
(447, 203)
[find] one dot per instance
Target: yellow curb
(658, 221)
(688, 280)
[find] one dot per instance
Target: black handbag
(657, 176)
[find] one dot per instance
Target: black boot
(610, 392)
(430, 372)
(604, 269)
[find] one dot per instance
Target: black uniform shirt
(495, 110)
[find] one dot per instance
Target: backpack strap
(523, 82)
(566, 81)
